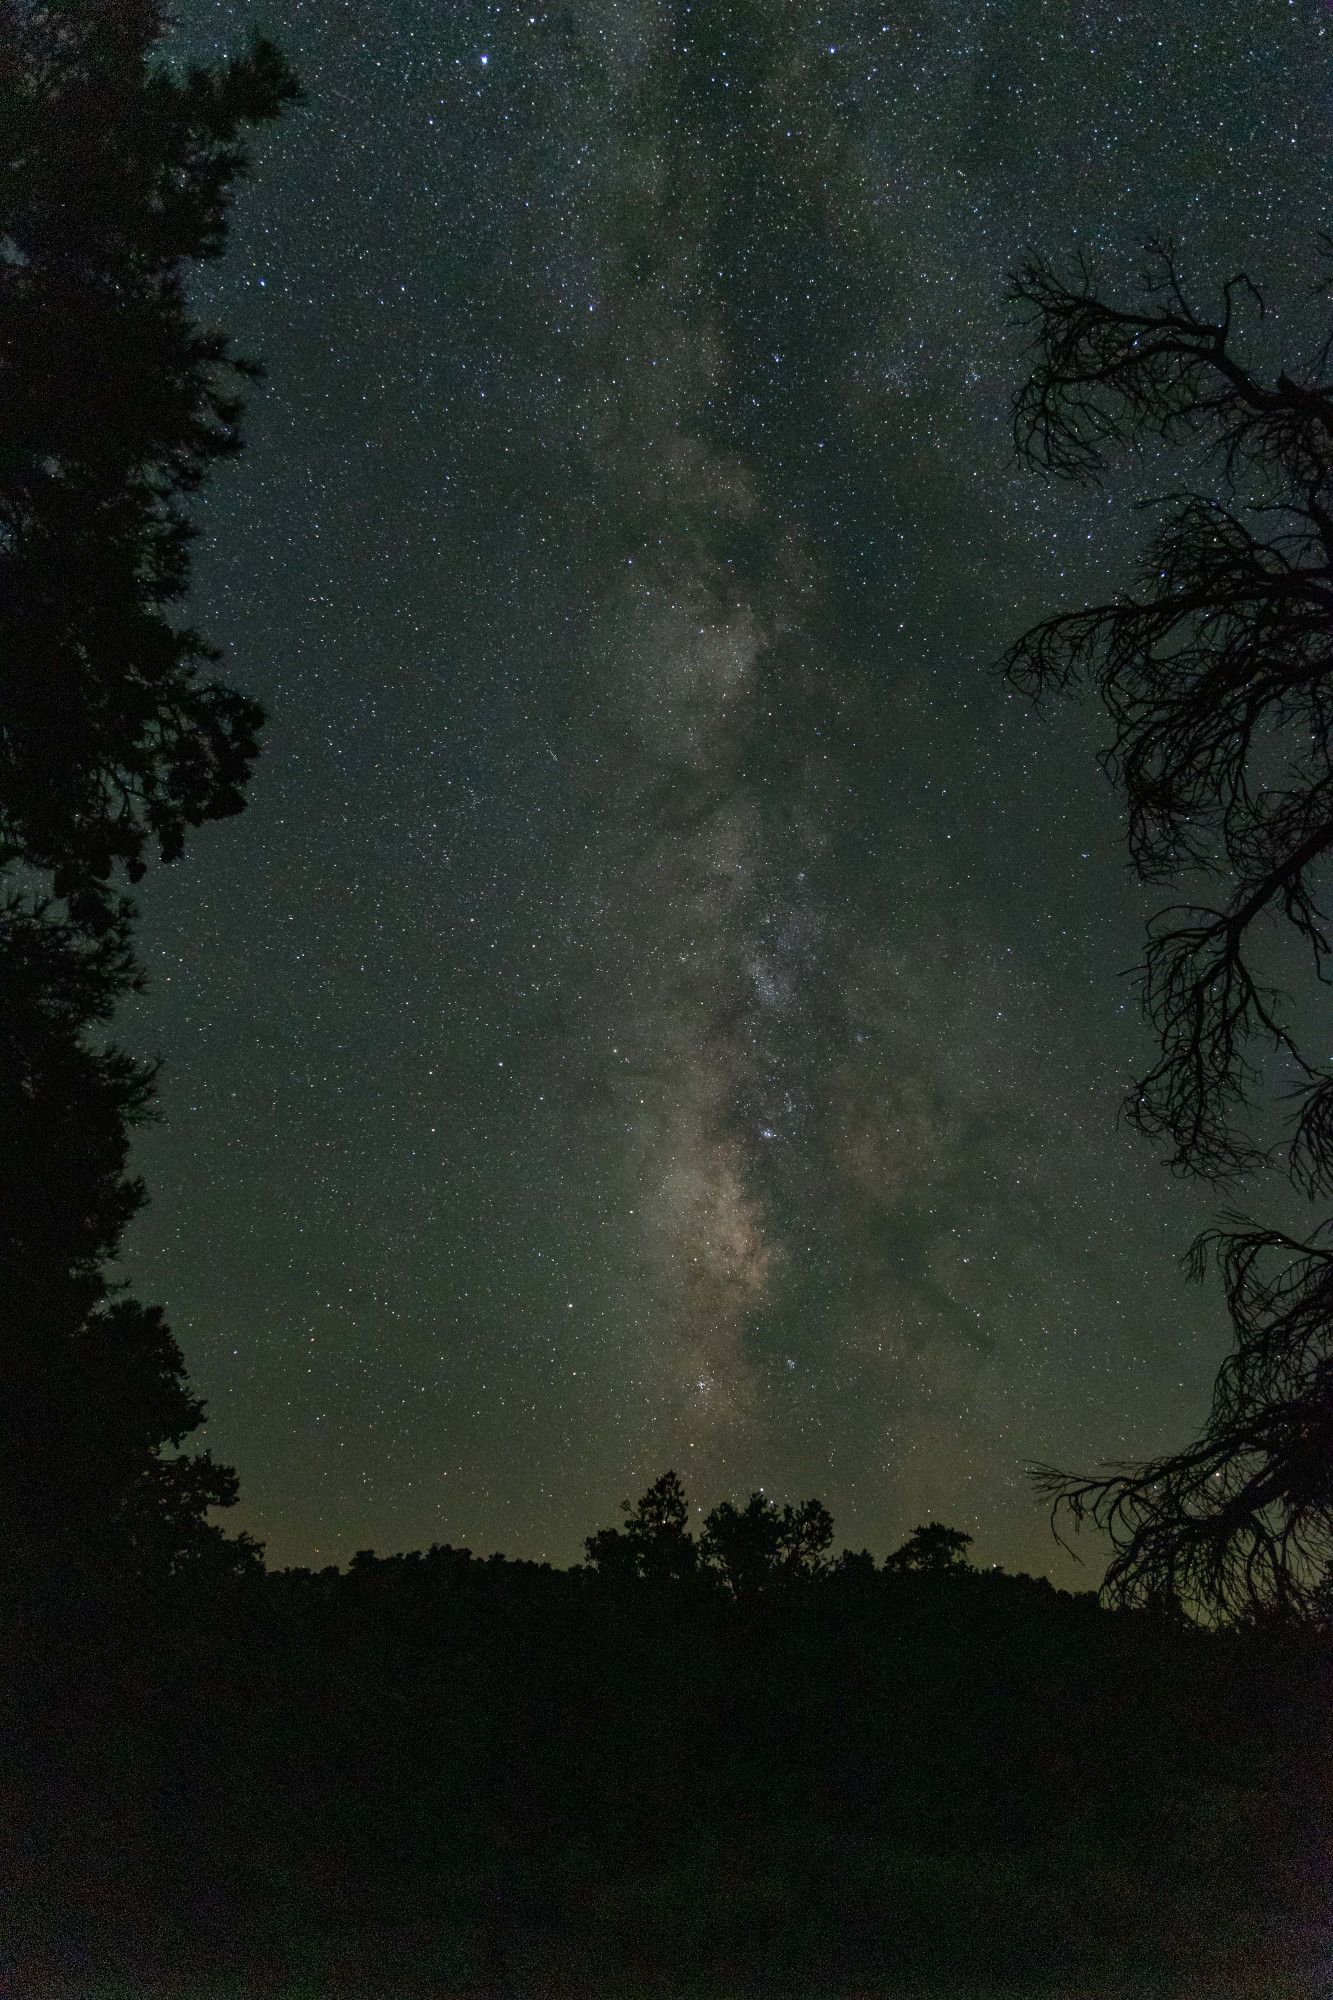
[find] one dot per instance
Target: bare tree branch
(1217, 673)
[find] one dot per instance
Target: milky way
(662, 1002)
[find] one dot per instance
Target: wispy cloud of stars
(662, 998)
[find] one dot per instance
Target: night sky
(662, 1004)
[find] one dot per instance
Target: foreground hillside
(682, 1768)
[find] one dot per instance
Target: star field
(662, 1003)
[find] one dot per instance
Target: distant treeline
(709, 1764)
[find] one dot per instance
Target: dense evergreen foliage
(115, 179)
(92, 1387)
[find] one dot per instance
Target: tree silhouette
(115, 403)
(1217, 675)
(116, 175)
(759, 1547)
(655, 1544)
(93, 1399)
(749, 1550)
(932, 1550)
